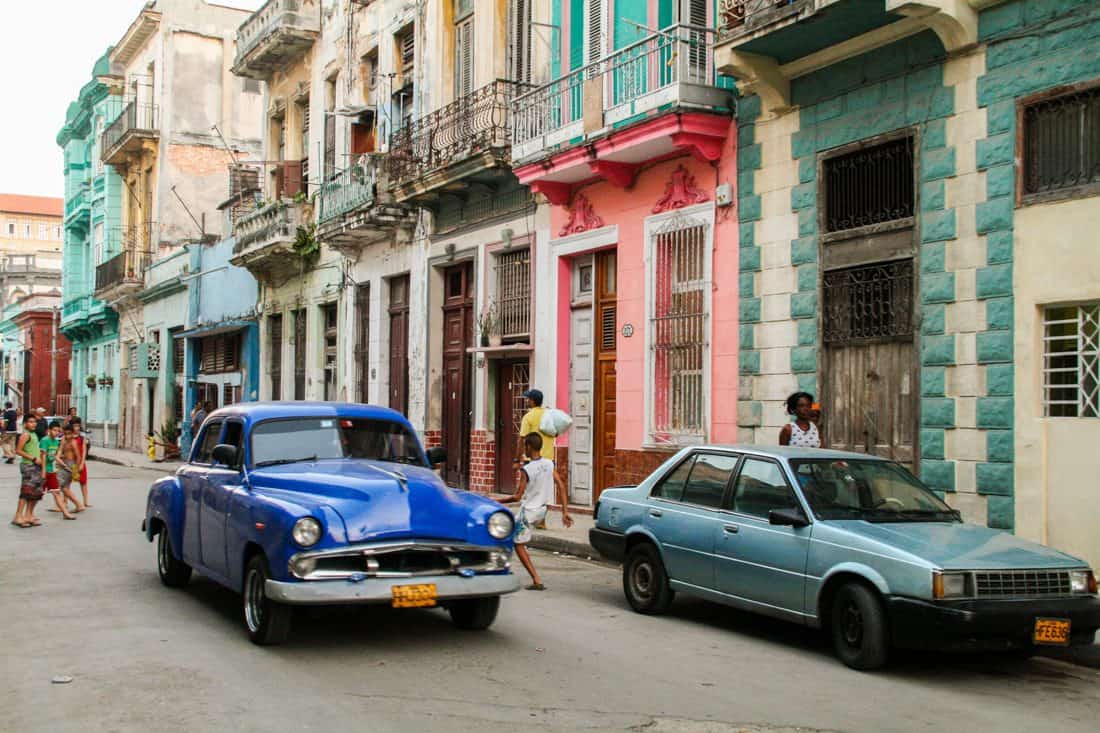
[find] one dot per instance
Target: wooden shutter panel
(594, 31)
(464, 59)
(519, 41)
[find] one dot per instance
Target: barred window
(513, 294)
(329, 316)
(178, 346)
(1071, 361)
(1062, 142)
(678, 332)
(869, 302)
(869, 186)
(219, 354)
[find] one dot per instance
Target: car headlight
(500, 526)
(306, 532)
(1082, 582)
(950, 585)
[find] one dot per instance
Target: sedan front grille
(397, 560)
(1021, 583)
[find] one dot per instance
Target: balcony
(132, 132)
(78, 204)
(764, 44)
(122, 275)
(275, 36)
(265, 240)
(651, 99)
(467, 142)
(355, 209)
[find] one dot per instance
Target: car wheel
(267, 621)
(645, 581)
(475, 614)
(173, 573)
(859, 628)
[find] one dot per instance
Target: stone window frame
(1064, 194)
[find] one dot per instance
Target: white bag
(554, 421)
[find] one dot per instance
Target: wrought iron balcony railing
(275, 34)
(659, 71)
(741, 17)
(478, 122)
(276, 222)
(350, 189)
(127, 266)
(135, 119)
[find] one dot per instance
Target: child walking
(50, 446)
(69, 456)
(30, 474)
(539, 485)
(80, 468)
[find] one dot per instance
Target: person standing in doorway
(30, 474)
(802, 431)
(9, 431)
(538, 484)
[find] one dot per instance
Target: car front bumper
(379, 590)
(990, 625)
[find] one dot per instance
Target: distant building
(35, 353)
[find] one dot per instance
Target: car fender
(165, 503)
(861, 570)
(640, 530)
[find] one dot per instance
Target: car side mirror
(226, 455)
(790, 517)
(437, 455)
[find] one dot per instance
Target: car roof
(791, 452)
(254, 411)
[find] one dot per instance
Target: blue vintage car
(318, 503)
(846, 542)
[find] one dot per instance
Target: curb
(115, 462)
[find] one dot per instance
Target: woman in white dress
(803, 431)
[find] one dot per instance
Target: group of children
(50, 465)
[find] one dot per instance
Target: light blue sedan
(845, 542)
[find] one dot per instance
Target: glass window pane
(761, 488)
(672, 487)
(709, 478)
(209, 439)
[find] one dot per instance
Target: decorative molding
(615, 173)
(581, 217)
(556, 192)
(680, 191)
(588, 241)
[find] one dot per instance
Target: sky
(47, 56)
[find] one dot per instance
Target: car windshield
(878, 491)
(316, 438)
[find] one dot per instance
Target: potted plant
(168, 439)
(90, 381)
(106, 381)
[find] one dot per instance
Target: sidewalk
(131, 459)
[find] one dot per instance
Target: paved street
(82, 599)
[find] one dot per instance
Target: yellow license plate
(414, 596)
(1051, 631)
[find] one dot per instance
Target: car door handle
(731, 529)
(657, 513)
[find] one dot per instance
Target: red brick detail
(483, 462)
(43, 366)
(433, 438)
(633, 466)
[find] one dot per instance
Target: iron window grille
(1071, 361)
(275, 356)
(1061, 143)
(513, 294)
(178, 346)
(869, 186)
(331, 337)
(869, 302)
(679, 328)
(300, 354)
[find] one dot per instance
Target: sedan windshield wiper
(284, 461)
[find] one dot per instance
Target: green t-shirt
(49, 446)
(31, 447)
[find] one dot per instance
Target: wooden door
(604, 382)
(513, 379)
(869, 380)
(399, 344)
(458, 308)
(362, 342)
(580, 382)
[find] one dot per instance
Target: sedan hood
(955, 546)
(374, 504)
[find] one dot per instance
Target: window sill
(1063, 194)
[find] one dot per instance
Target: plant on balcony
(487, 325)
(90, 381)
(306, 244)
(106, 381)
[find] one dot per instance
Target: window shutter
(330, 145)
(464, 60)
(594, 31)
(291, 172)
(519, 41)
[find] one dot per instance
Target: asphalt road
(82, 599)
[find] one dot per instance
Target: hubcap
(642, 580)
(851, 624)
(254, 600)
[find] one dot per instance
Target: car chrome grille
(397, 561)
(1021, 583)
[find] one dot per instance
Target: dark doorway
(362, 341)
(513, 379)
(399, 344)
(458, 308)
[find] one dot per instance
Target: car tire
(859, 629)
(645, 581)
(173, 573)
(474, 614)
(267, 621)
